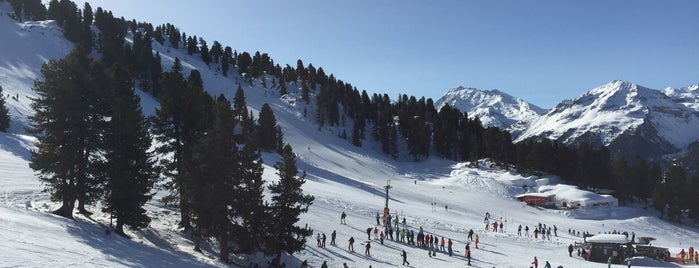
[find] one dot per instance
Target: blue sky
(540, 51)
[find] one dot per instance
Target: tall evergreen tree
(175, 125)
(210, 185)
(622, 182)
(69, 121)
(130, 172)
(251, 213)
(4, 113)
(267, 129)
(675, 182)
(288, 202)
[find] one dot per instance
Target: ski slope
(443, 197)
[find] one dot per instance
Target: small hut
(537, 199)
(603, 246)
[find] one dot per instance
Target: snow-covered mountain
(627, 117)
(494, 108)
(688, 96)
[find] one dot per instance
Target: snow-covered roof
(572, 193)
(608, 238)
(535, 194)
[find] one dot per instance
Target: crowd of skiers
(395, 229)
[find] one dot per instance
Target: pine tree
(175, 126)
(622, 183)
(69, 121)
(130, 172)
(4, 113)
(288, 202)
(675, 182)
(251, 212)
(267, 129)
(204, 51)
(210, 184)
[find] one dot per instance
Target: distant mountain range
(630, 119)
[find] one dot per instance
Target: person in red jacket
(535, 262)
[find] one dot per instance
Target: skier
(376, 232)
(377, 218)
(536, 233)
(543, 234)
(304, 264)
(526, 230)
(547, 265)
(501, 228)
(405, 258)
(323, 240)
(350, 247)
(495, 226)
(470, 234)
(318, 239)
(332, 238)
(535, 262)
(476, 241)
(324, 265)
(467, 254)
(519, 230)
(367, 246)
(381, 237)
(342, 218)
(441, 244)
(449, 244)
(368, 233)
(682, 256)
(570, 250)
(555, 230)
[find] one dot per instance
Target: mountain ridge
(628, 118)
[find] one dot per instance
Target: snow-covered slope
(493, 107)
(627, 117)
(341, 177)
(25, 47)
(688, 96)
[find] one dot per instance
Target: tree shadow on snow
(127, 252)
(15, 145)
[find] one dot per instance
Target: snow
(575, 197)
(608, 238)
(492, 107)
(614, 109)
(443, 197)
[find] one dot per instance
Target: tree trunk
(224, 251)
(119, 229)
(185, 220)
(81, 206)
(197, 241)
(68, 198)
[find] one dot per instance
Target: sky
(540, 51)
